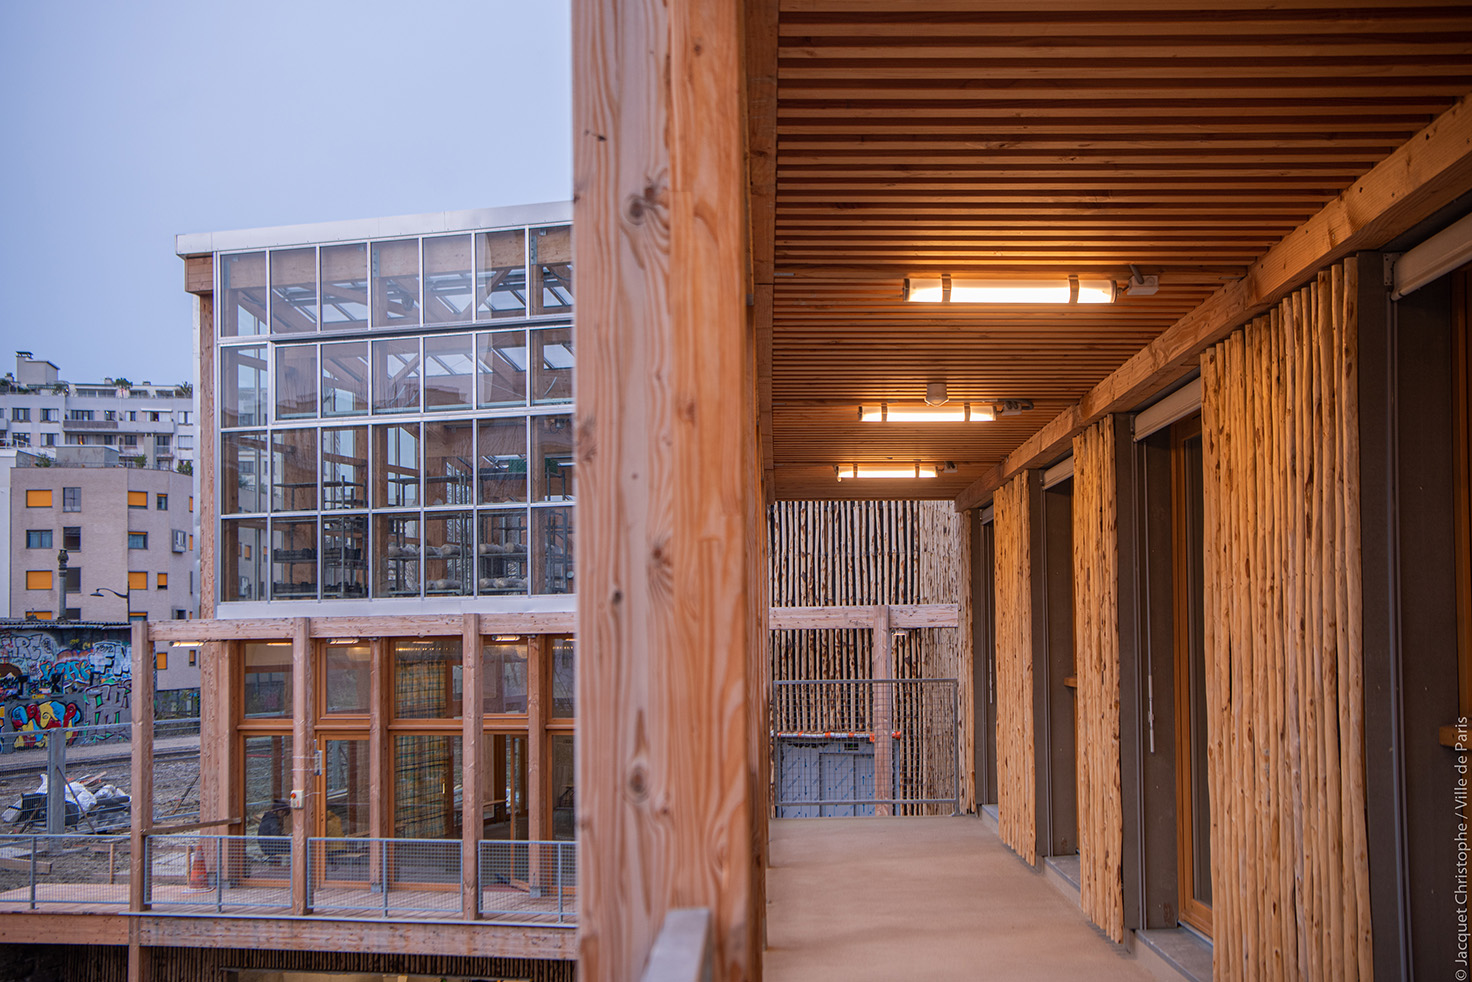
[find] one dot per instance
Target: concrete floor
(921, 898)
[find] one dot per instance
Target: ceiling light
(848, 472)
(919, 412)
(1057, 289)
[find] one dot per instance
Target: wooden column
(142, 760)
(882, 672)
(666, 452)
(380, 822)
(471, 740)
(304, 756)
(538, 766)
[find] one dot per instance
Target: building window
(137, 499)
(38, 615)
(161, 441)
(153, 417)
(71, 537)
(48, 415)
(71, 499)
(48, 439)
(38, 579)
(161, 502)
(184, 418)
(74, 613)
(162, 661)
(137, 580)
(137, 540)
(109, 415)
(130, 439)
(20, 415)
(38, 498)
(79, 415)
(163, 581)
(132, 415)
(38, 538)
(193, 655)
(267, 679)
(72, 581)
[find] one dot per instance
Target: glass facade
(395, 418)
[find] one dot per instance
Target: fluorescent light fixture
(919, 412)
(1433, 259)
(849, 472)
(1055, 289)
(187, 644)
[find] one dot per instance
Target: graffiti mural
(55, 677)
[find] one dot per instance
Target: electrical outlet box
(298, 799)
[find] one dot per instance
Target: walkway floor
(921, 898)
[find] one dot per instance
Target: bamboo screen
(1016, 766)
(1290, 877)
(1096, 665)
(945, 578)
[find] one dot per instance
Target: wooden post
(304, 757)
(471, 740)
(882, 673)
(380, 824)
(142, 760)
(666, 452)
(538, 764)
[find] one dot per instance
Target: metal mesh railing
(529, 882)
(385, 876)
(860, 746)
(218, 872)
(39, 870)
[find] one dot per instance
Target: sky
(127, 124)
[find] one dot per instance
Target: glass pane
(345, 468)
(551, 251)
(293, 291)
(345, 285)
(448, 462)
(296, 381)
(267, 787)
(449, 551)
(243, 295)
(243, 472)
(396, 465)
(503, 770)
(294, 560)
(552, 559)
(426, 777)
(345, 379)
(243, 386)
(294, 470)
(396, 555)
(503, 561)
(552, 472)
(563, 805)
(243, 559)
(449, 372)
(267, 678)
(396, 283)
(348, 669)
(349, 801)
(501, 457)
(500, 262)
(503, 677)
(448, 292)
(552, 364)
(344, 556)
(563, 688)
(396, 375)
(427, 683)
(501, 368)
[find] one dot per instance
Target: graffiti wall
(53, 677)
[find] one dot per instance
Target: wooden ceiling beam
(1429, 171)
(1116, 9)
(1182, 22)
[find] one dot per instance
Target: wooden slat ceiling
(919, 138)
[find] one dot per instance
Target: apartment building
(90, 539)
(149, 425)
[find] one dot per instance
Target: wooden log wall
(193, 964)
(828, 553)
(1290, 879)
(1096, 666)
(1016, 765)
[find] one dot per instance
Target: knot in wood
(638, 783)
(639, 205)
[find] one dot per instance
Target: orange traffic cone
(199, 877)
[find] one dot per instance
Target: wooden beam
(380, 759)
(91, 928)
(882, 671)
(199, 275)
(141, 768)
(402, 625)
(471, 742)
(901, 616)
(1429, 171)
(303, 760)
(760, 31)
(666, 620)
(538, 753)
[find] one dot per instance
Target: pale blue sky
(126, 124)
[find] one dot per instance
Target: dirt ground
(101, 861)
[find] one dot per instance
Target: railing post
(561, 859)
(219, 874)
(956, 747)
(883, 719)
(33, 872)
(56, 782)
(383, 847)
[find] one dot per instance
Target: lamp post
(124, 597)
